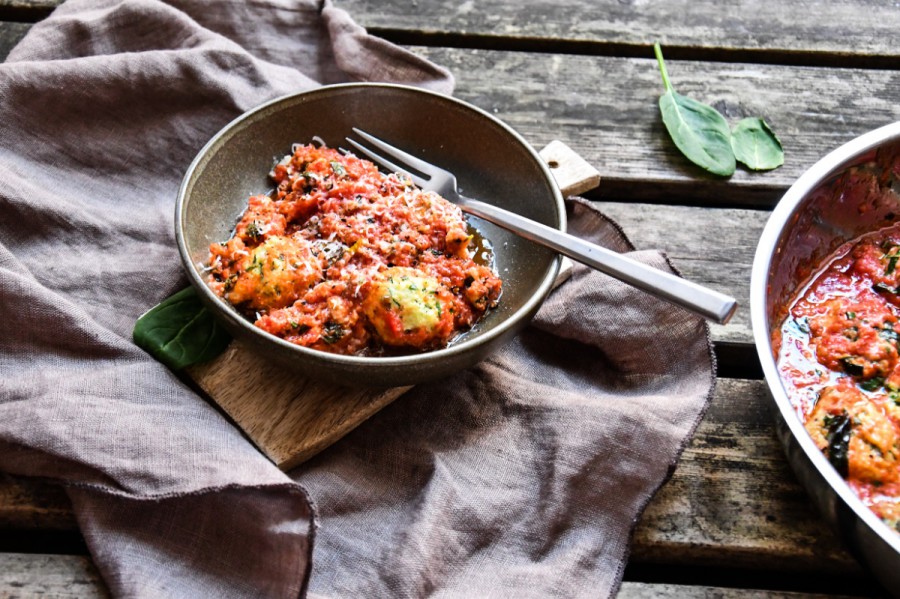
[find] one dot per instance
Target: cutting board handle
(572, 172)
(291, 418)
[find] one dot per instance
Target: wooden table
(733, 517)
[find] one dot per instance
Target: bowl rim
(828, 166)
(512, 320)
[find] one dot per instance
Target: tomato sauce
(345, 259)
(839, 360)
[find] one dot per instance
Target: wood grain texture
(10, 34)
(606, 109)
(734, 488)
(732, 500)
(640, 590)
(573, 174)
(865, 28)
(29, 504)
(797, 32)
(25, 576)
(714, 248)
(35, 575)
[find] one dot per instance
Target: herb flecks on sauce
(839, 357)
(345, 259)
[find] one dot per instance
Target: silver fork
(705, 302)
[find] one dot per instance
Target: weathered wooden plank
(781, 32)
(10, 34)
(712, 247)
(606, 110)
(27, 504)
(25, 575)
(732, 501)
(852, 32)
(640, 590)
(30, 575)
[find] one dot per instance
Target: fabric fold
(264, 553)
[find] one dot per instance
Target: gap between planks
(64, 576)
(575, 47)
(32, 11)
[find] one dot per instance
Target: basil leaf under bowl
(756, 145)
(698, 130)
(180, 331)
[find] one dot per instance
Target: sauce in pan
(838, 357)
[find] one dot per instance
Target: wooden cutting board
(291, 418)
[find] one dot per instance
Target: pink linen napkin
(520, 477)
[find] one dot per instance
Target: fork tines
(410, 161)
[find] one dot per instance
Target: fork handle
(707, 303)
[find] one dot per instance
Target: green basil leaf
(852, 366)
(873, 384)
(698, 130)
(838, 436)
(756, 146)
(180, 331)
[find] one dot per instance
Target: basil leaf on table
(698, 130)
(756, 145)
(180, 331)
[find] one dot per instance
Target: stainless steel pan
(831, 203)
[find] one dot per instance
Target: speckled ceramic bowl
(490, 160)
(831, 203)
